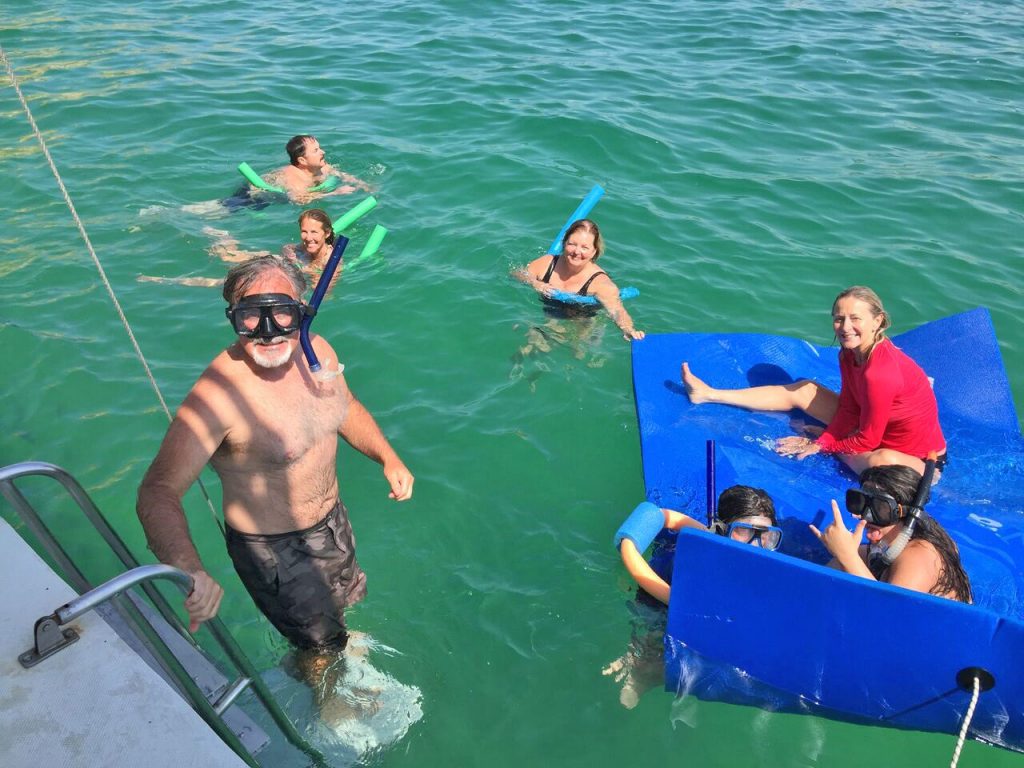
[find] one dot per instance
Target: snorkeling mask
(765, 536)
(267, 315)
(881, 557)
(875, 507)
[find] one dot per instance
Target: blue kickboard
(779, 630)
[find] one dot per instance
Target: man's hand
(203, 601)
(400, 479)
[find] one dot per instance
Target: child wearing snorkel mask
(744, 514)
(906, 546)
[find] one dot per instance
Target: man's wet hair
(242, 275)
(296, 147)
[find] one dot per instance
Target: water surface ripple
(757, 159)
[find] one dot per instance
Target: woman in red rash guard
(885, 412)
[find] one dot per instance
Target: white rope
(967, 722)
(82, 232)
(95, 258)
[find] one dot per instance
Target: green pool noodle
(254, 178)
(371, 246)
(327, 185)
(348, 219)
(376, 238)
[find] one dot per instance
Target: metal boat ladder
(154, 632)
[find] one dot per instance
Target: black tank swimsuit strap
(551, 268)
(583, 290)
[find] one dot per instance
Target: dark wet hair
(743, 501)
(296, 147)
(901, 483)
(587, 226)
(242, 275)
(320, 215)
(898, 481)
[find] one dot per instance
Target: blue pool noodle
(314, 303)
(580, 213)
(645, 522)
(574, 298)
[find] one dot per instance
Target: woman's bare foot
(697, 390)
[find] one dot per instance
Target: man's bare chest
(280, 427)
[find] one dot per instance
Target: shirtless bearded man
(270, 429)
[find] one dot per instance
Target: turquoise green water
(757, 159)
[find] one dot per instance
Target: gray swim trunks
(303, 580)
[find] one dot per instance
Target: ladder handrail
(99, 522)
(221, 634)
(110, 590)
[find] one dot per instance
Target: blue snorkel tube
(318, 296)
(712, 498)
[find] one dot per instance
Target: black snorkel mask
(877, 508)
(267, 315)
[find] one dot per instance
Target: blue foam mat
(824, 628)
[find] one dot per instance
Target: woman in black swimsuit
(575, 271)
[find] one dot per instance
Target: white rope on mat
(95, 258)
(967, 722)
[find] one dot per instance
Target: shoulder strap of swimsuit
(583, 290)
(551, 268)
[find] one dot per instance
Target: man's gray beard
(270, 346)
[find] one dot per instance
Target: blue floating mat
(780, 630)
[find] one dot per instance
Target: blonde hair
(869, 297)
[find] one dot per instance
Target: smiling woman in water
(576, 272)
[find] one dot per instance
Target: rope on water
(967, 721)
(95, 259)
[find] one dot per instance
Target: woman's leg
(812, 398)
(225, 247)
(881, 457)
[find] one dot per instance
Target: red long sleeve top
(885, 403)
